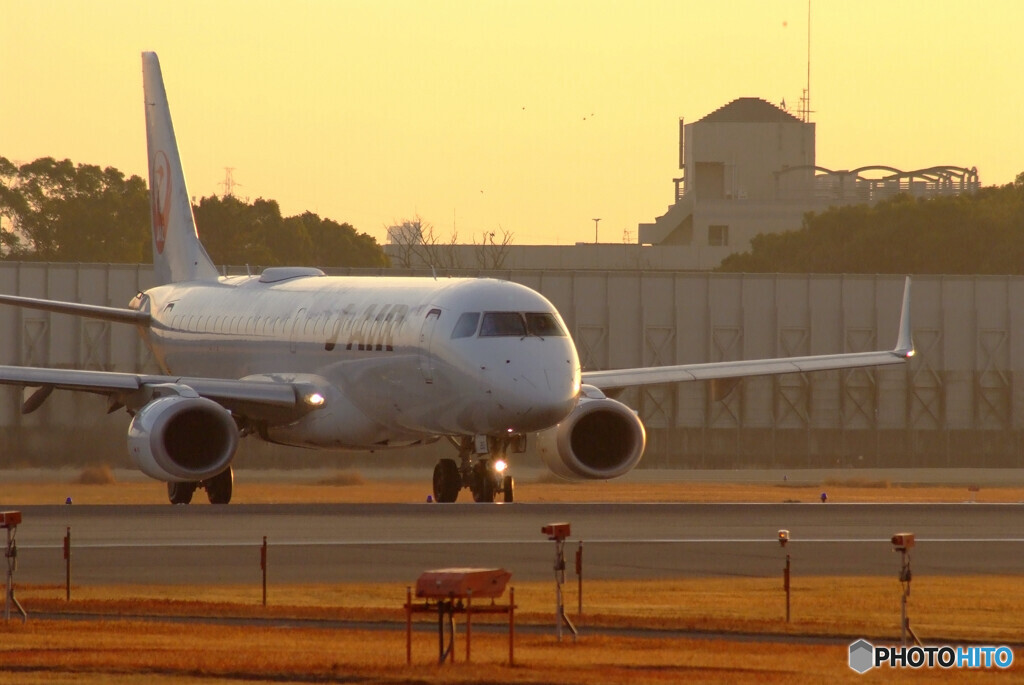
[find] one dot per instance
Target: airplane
(295, 357)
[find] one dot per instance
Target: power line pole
(229, 182)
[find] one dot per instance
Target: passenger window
(544, 325)
(502, 324)
(465, 327)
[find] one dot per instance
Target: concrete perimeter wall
(955, 404)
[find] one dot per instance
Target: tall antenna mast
(808, 89)
(805, 101)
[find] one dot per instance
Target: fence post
(579, 577)
(263, 568)
(408, 626)
(511, 626)
(67, 565)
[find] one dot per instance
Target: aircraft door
(426, 337)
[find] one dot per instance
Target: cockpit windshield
(511, 324)
(508, 324)
(498, 324)
(544, 325)
(465, 327)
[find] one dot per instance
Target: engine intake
(602, 438)
(182, 438)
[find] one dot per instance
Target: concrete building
(749, 168)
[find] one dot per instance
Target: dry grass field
(347, 486)
(135, 652)
(978, 609)
(129, 650)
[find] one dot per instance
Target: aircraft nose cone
(527, 384)
(539, 397)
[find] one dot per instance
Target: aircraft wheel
(483, 482)
(508, 486)
(218, 488)
(181, 493)
(447, 481)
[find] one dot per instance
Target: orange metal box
(9, 518)
(457, 582)
(556, 531)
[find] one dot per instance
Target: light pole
(902, 542)
(783, 539)
(596, 221)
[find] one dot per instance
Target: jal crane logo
(161, 198)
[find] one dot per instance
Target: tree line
(976, 233)
(57, 211)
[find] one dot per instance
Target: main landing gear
(218, 489)
(483, 475)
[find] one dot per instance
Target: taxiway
(204, 544)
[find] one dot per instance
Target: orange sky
(532, 117)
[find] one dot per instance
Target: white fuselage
(380, 350)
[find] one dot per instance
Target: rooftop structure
(749, 167)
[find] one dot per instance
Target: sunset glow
(530, 117)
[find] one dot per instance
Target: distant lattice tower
(229, 182)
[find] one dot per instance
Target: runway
(163, 544)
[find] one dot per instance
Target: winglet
(905, 344)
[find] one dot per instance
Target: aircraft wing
(92, 311)
(279, 401)
(621, 378)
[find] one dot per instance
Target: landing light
(314, 399)
(500, 465)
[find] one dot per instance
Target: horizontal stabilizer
(92, 311)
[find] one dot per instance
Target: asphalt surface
(164, 544)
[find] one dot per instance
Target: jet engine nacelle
(601, 438)
(182, 437)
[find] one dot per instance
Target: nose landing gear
(484, 477)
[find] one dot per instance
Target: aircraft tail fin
(177, 253)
